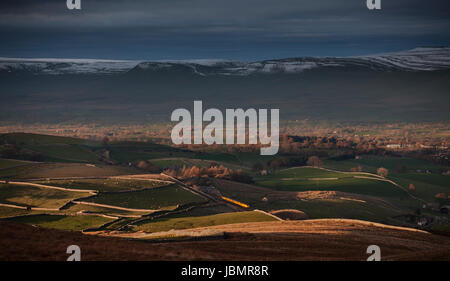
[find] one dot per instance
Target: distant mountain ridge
(403, 86)
(65, 66)
(418, 59)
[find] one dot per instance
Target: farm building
(393, 146)
(432, 206)
(445, 209)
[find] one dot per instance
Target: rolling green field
(185, 221)
(371, 163)
(165, 197)
(311, 173)
(316, 192)
(62, 170)
(9, 163)
(36, 196)
(358, 206)
(38, 139)
(73, 150)
(65, 153)
(248, 158)
(214, 209)
(434, 179)
(305, 179)
(76, 223)
(54, 148)
(377, 211)
(104, 185)
(221, 157)
(170, 162)
(426, 185)
(125, 152)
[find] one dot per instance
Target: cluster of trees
(295, 144)
(356, 169)
(220, 172)
(348, 147)
(320, 133)
(442, 197)
(148, 167)
(288, 161)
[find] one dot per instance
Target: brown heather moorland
(327, 239)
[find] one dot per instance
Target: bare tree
(314, 161)
(382, 172)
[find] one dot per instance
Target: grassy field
(36, 196)
(369, 210)
(118, 223)
(12, 212)
(9, 163)
(125, 152)
(37, 139)
(249, 158)
(65, 153)
(316, 204)
(426, 185)
(67, 149)
(54, 148)
(186, 221)
(76, 223)
(73, 209)
(214, 209)
(305, 179)
(170, 162)
(62, 170)
(73, 150)
(220, 157)
(104, 185)
(371, 163)
(165, 197)
(434, 179)
(310, 173)
(162, 155)
(317, 192)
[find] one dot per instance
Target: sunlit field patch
(185, 221)
(64, 222)
(165, 197)
(33, 196)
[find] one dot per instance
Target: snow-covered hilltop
(419, 59)
(66, 66)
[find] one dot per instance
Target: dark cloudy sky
(228, 29)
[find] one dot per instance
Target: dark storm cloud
(232, 28)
